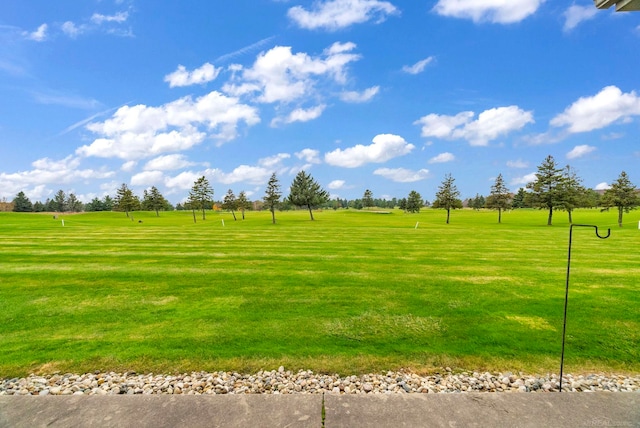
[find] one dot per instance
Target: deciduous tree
(447, 197)
(306, 192)
(623, 195)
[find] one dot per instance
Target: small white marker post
(417, 223)
(62, 222)
(222, 222)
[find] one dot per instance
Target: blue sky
(362, 94)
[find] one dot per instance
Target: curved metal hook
(596, 230)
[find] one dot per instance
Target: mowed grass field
(352, 292)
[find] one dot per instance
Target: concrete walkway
(398, 410)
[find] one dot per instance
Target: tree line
(555, 188)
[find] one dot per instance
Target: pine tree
(447, 196)
(499, 198)
(243, 203)
(573, 192)
(623, 195)
(124, 200)
(548, 189)
(154, 201)
(367, 199)
(414, 202)
(306, 192)
(272, 196)
(201, 195)
(22, 204)
(230, 203)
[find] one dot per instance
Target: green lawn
(351, 292)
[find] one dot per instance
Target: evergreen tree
(154, 201)
(60, 200)
(547, 191)
(367, 199)
(125, 200)
(447, 197)
(243, 203)
(272, 196)
(94, 205)
(201, 194)
(107, 203)
(573, 191)
(230, 203)
(306, 192)
(22, 204)
(499, 198)
(623, 195)
(414, 202)
(478, 202)
(73, 203)
(519, 199)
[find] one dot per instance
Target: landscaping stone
(282, 381)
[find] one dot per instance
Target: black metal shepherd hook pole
(566, 295)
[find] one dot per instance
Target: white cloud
(309, 156)
(336, 184)
(517, 164)
(147, 178)
(336, 14)
(40, 35)
(384, 148)
(359, 97)
(242, 174)
(524, 180)
(279, 76)
(141, 131)
(402, 175)
(575, 14)
(182, 181)
(602, 186)
(71, 29)
(274, 162)
(442, 158)
(129, 166)
(47, 173)
(167, 163)
(300, 115)
(181, 77)
(495, 11)
(418, 67)
(579, 151)
(489, 125)
(119, 18)
(606, 107)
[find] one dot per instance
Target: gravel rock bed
(282, 381)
